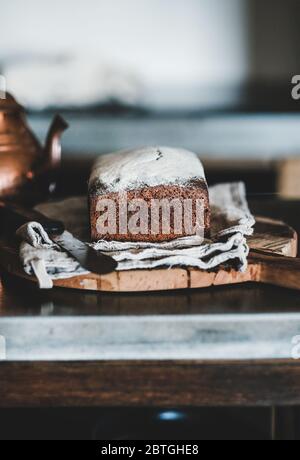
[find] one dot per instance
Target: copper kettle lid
(9, 104)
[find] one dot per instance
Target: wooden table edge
(150, 383)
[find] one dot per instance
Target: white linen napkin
(231, 223)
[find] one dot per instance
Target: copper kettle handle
(53, 142)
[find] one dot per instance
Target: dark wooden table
(226, 346)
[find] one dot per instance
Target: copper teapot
(22, 159)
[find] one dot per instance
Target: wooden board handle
(277, 270)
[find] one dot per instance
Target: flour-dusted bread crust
(149, 174)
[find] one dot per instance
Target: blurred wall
(186, 43)
(166, 52)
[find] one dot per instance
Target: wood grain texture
(273, 237)
(154, 383)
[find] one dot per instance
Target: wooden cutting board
(272, 260)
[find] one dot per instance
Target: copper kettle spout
(53, 142)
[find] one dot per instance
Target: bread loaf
(151, 194)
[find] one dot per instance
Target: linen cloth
(231, 223)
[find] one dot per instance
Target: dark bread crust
(193, 190)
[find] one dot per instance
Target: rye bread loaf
(132, 185)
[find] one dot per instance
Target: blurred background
(208, 75)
